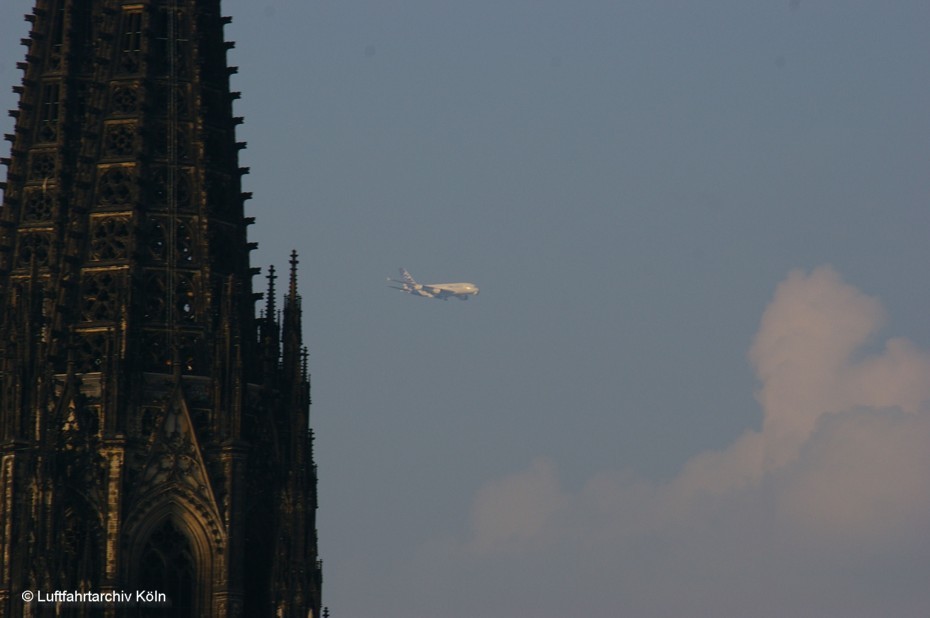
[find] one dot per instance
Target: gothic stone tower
(153, 432)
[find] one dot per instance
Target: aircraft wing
(416, 290)
(427, 291)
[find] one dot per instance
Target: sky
(696, 381)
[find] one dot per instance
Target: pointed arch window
(167, 565)
(48, 121)
(58, 29)
(130, 40)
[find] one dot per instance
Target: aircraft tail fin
(406, 277)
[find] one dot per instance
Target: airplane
(445, 291)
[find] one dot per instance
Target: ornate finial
(294, 261)
(269, 304)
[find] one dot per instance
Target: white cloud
(805, 358)
(863, 477)
(517, 509)
(823, 512)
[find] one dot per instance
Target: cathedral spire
(126, 301)
(292, 335)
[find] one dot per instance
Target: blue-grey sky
(696, 380)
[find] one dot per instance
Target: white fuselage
(445, 291)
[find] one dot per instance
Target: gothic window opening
(177, 28)
(82, 29)
(167, 565)
(130, 41)
(48, 120)
(58, 27)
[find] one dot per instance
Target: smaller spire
(269, 302)
(292, 292)
(291, 334)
